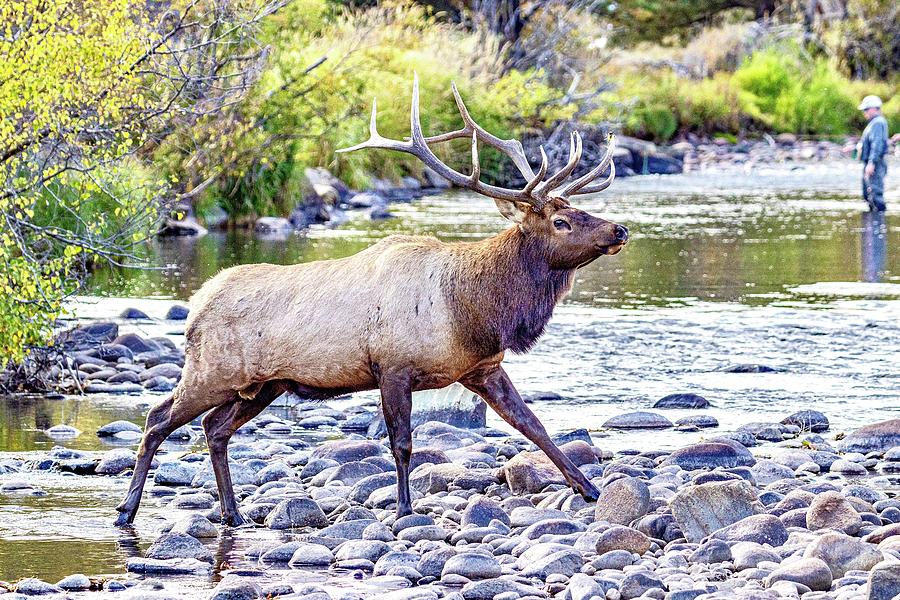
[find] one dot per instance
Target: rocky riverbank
(327, 200)
(782, 509)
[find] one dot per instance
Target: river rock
(75, 583)
(531, 472)
(877, 437)
(811, 572)
(175, 472)
(481, 510)
(295, 513)
(196, 526)
(564, 562)
(344, 451)
(136, 343)
(178, 545)
(701, 421)
(177, 312)
(133, 313)
(238, 589)
(709, 455)
(711, 552)
(36, 587)
(832, 510)
(748, 555)
(488, 589)
(884, 581)
(682, 401)
(843, 553)
(619, 537)
(472, 565)
(116, 461)
(88, 336)
(584, 587)
(762, 529)
(638, 420)
(808, 420)
(168, 370)
(173, 566)
(700, 510)
(311, 555)
(622, 501)
(638, 584)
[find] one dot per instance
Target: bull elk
(408, 313)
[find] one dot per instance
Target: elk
(408, 313)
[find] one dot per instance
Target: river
(776, 266)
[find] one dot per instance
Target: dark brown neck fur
(502, 292)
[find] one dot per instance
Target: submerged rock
(638, 420)
(682, 401)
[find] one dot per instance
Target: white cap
(870, 102)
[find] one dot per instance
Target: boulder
(531, 472)
(884, 581)
(877, 437)
(619, 537)
(831, 510)
(178, 545)
(762, 529)
(344, 451)
(116, 461)
(472, 565)
(843, 553)
(811, 572)
(622, 501)
(700, 510)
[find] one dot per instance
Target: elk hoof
(589, 492)
(124, 519)
(234, 519)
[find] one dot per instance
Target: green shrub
(767, 76)
(657, 122)
(821, 105)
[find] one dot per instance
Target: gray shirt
(874, 140)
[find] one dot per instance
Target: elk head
(570, 237)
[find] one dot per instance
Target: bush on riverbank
(780, 89)
(316, 92)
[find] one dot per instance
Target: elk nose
(621, 234)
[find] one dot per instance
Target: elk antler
(537, 190)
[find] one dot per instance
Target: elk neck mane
(502, 291)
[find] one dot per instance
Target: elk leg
(162, 420)
(396, 404)
(219, 425)
(498, 391)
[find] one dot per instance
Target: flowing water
(779, 267)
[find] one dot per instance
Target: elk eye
(562, 225)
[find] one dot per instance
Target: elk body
(407, 314)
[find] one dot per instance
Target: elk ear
(514, 211)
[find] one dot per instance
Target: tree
(87, 89)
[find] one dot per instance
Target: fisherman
(873, 149)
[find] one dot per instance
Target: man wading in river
(872, 152)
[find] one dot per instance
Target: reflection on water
(734, 238)
(873, 242)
